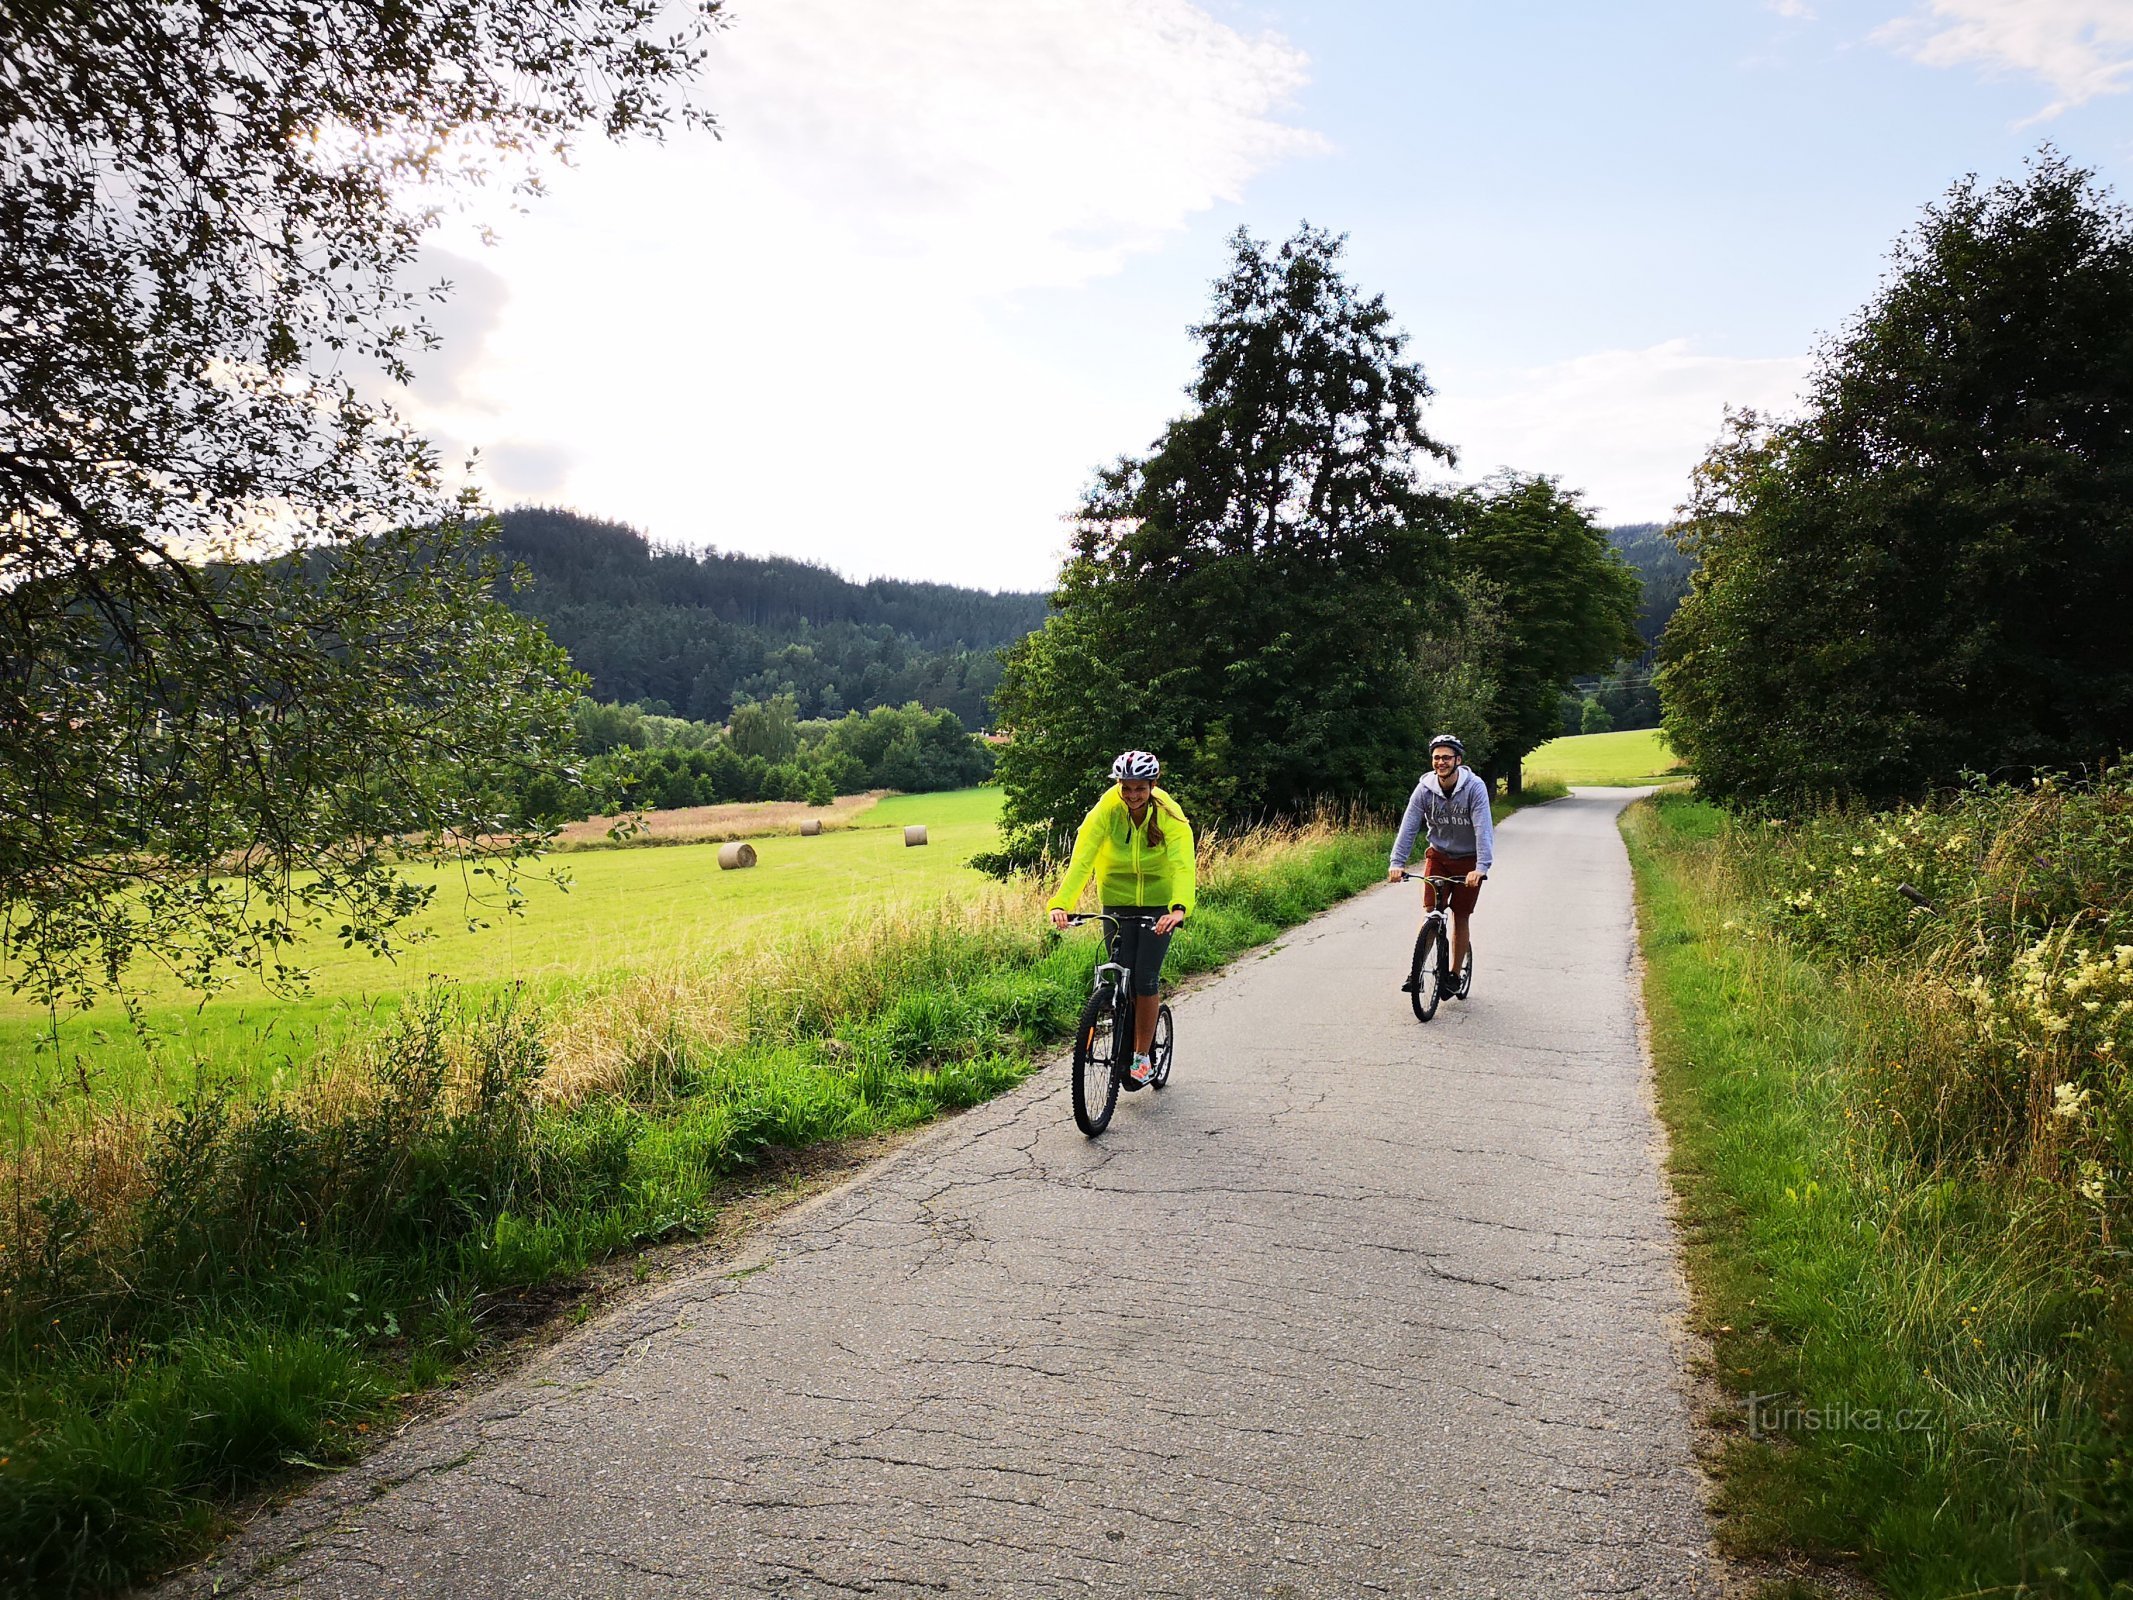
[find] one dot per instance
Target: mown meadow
(1902, 1137)
(624, 912)
(1625, 759)
(202, 1295)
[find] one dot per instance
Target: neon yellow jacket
(1129, 870)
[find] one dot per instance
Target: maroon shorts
(1443, 866)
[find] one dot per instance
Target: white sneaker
(1142, 1069)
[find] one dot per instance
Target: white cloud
(1032, 142)
(1624, 426)
(473, 304)
(1798, 9)
(2081, 48)
(527, 471)
(805, 335)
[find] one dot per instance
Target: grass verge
(1925, 1341)
(196, 1303)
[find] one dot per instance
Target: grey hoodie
(1458, 822)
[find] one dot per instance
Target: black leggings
(1140, 950)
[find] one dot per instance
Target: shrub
(2017, 970)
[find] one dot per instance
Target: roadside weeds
(1903, 1357)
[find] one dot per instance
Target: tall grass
(192, 1304)
(1891, 1221)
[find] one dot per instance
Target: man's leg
(1459, 942)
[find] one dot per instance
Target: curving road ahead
(1355, 1307)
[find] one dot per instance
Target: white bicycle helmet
(1137, 764)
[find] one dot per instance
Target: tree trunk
(1514, 779)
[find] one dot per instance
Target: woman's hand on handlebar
(1169, 922)
(1059, 919)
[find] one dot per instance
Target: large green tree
(1568, 603)
(767, 728)
(1250, 598)
(209, 217)
(1926, 571)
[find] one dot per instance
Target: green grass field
(627, 911)
(1634, 756)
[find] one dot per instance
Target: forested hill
(1662, 566)
(1625, 692)
(699, 632)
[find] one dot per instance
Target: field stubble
(714, 823)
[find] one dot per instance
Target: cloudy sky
(942, 261)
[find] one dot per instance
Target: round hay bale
(737, 854)
(811, 827)
(915, 834)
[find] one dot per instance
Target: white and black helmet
(1137, 764)
(1449, 741)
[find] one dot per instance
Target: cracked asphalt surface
(1356, 1306)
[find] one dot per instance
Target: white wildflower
(2070, 1102)
(2090, 1184)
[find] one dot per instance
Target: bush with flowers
(2002, 920)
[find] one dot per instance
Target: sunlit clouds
(2079, 48)
(1008, 146)
(1625, 426)
(800, 337)
(940, 265)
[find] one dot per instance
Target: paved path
(1355, 1307)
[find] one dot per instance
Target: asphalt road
(1357, 1306)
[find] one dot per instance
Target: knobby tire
(1427, 969)
(1095, 1064)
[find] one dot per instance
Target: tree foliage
(1457, 683)
(767, 728)
(1250, 598)
(1568, 601)
(1625, 692)
(637, 761)
(1925, 572)
(207, 217)
(905, 747)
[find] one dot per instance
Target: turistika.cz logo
(1771, 1414)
